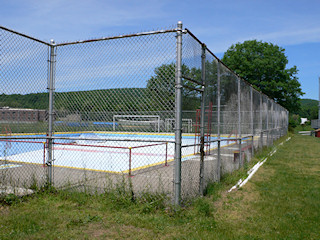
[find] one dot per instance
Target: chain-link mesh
(257, 118)
(237, 118)
(23, 110)
(112, 119)
(191, 105)
(211, 172)
(114, 113)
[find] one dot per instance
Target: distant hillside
(33, 100)
(112, 100)
(95, 100)
(309, 108)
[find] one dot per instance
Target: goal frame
(157, 121)
(187, 121)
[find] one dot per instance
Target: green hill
(309, 108)
(95, 100)
(112, 100)
(32, 100)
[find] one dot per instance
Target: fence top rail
(117, 37)
(249, 84)
(197, 39)
(89, 40)
(26, 36)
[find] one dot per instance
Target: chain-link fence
(154, 112)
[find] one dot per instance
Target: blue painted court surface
(114, 155)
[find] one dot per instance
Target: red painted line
(151, 154)
(85, 145)
(150, 145)
(77, 150)
(89, 150)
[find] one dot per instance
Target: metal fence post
(267, 122)
(239, 121)
(218, 120)
(203, 76)
(251, 119)
(261, 122)
(178, 113)
(272, 122)
(287, 122)
(278, 122)
(51, 113)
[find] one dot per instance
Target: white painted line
(255, 168)
(6, 166)
(235, 186)
(259, 164)
(273, 152)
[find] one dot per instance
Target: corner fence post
(51, 113)
(178, 116)
(203, 80)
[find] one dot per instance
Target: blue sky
(291, 24)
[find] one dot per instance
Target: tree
(264, 66)
(161, 88)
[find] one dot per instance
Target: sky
(292, 24)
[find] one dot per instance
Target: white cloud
(281, 37)
(293, 36)
(78, 19)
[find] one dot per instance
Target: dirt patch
(4, 210)
(116, 231)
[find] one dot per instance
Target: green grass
(281, 201)
(303, 128)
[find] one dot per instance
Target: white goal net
(137, 122)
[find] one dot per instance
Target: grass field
(281, 201)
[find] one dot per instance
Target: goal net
(137, 122)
